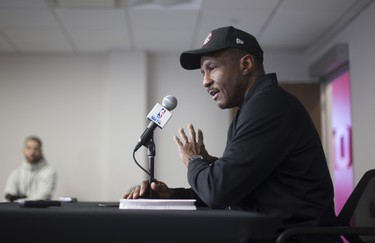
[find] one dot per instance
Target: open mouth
(213, 93)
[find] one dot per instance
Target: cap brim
(192, 59)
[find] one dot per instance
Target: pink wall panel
(342, 139)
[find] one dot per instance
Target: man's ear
(247, 64)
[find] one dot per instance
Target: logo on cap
(239, 41)
(208, 38)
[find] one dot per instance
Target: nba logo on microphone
(160, 115)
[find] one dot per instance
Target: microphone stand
(151, 156)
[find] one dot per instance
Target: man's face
(223, 79)
(32, 151)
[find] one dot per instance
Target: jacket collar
(262, 83)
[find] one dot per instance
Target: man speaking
(273, 162)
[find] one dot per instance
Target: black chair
(356, 218)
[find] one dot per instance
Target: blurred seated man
(34, 178)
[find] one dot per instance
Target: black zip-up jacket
(273, 162)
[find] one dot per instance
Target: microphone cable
(140, 166)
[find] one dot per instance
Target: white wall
(83, 109)
(360, 35)
(290, 67)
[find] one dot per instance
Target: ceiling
(160, 26)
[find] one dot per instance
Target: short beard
(35, 160)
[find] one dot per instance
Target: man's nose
(207, 81)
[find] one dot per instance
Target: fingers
(192, 133)
(183, 136)
(188, 146)
(161, 189)
(133, 194)
(184, 140)
(156, 187)
(143, 188)
(177, 140)
(137, 191)
(200, 136)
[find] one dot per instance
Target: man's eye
(209, 68)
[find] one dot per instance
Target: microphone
(159, 117)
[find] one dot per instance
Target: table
(89, 222)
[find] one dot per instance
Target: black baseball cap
(220, 39)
